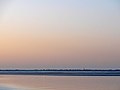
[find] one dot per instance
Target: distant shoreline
(61, 72)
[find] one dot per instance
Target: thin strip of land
(61, 72)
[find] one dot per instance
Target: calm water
(58, 83)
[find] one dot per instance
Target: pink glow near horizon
(60, 34)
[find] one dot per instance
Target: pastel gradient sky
(59, 34)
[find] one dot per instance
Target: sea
(36, 82)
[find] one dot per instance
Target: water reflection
(58, 83)
(6, 88)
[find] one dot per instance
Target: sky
(59, 34)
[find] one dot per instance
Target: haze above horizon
(59, 34)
